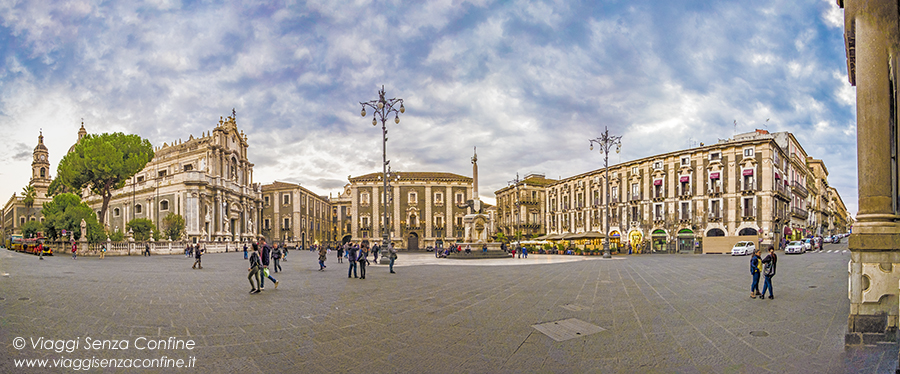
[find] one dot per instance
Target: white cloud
(833, 15)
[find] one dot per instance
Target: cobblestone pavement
(629, 314)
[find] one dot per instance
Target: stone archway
(747, 231)
(715, 232)
(412, 242)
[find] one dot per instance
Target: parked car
(836, 239)
(826, 239)
(795, 247)
(743, 248)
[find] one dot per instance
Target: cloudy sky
(527, 82)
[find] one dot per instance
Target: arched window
(43, 173)
(164, 205)
(138, 209)
(116, 212)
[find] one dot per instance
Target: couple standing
(766, 267)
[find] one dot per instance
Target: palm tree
(29, 193)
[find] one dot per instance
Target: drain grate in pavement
(567, 329)
(574, 307)
(759, 333)
(24, 298)
(813, 286)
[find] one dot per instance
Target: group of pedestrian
(762, 267)
(259, 265)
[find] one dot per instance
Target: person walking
(266, 254)
(253, 271)
(74, 250)
(284, 254)
(102, 251)
(276, 258)
(340, 254)
(351, 258)
(392, 252)
(245, 251)
(375, 249)
(363, 261)
(197, 254)
(755, 265)
(147, 249)
(323, 252)
(768, 272)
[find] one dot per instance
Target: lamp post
(605, 142)
(381, 110)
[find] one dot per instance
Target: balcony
(614, 200)
(800, 213)
(748, 188)
(684, 218)
(410, 228)
(799, 189)
(633, 198)
(715, 217)
(659, 219)
(748, 214)
(659, 196)
(781, 191)
(686, 195)
(530, 201)
(715, 191)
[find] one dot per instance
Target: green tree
(31, 229)
(501, 237)
(117, 236)
(104, 163)
(65, 212)
(29, 194)
(173, 226)
(142, 228)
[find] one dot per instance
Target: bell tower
(40, 166)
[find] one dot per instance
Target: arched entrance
(412, 242)
(345, 239)
(614, 241)
(747, 231)
(715, 232)
(685, 241)
(636, 239)
(658, 239)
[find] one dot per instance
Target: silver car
(795, 247)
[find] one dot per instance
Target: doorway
(412, 243)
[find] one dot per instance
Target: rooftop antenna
(735, 128)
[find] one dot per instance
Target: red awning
(657, 182)
(748, 172)
(713, 175)
(685, 179)
(777, 176)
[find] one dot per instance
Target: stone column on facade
(354, 213)
(449, 219)
(397, 218)
(428, 220)
(871, 33)
(377, 220)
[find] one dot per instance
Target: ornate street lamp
(605, 141)
(381, 110)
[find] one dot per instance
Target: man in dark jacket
(351, 258)
(266, 254)
(769, 264)
(276, 258)
(254, 271)
(754, 271)
(197, 259)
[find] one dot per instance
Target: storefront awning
(543, 237)
(685, 179)
(713, 175)
(748, 171)
(777, 176)
(657, 182)
(554, 237)
(570, 236)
